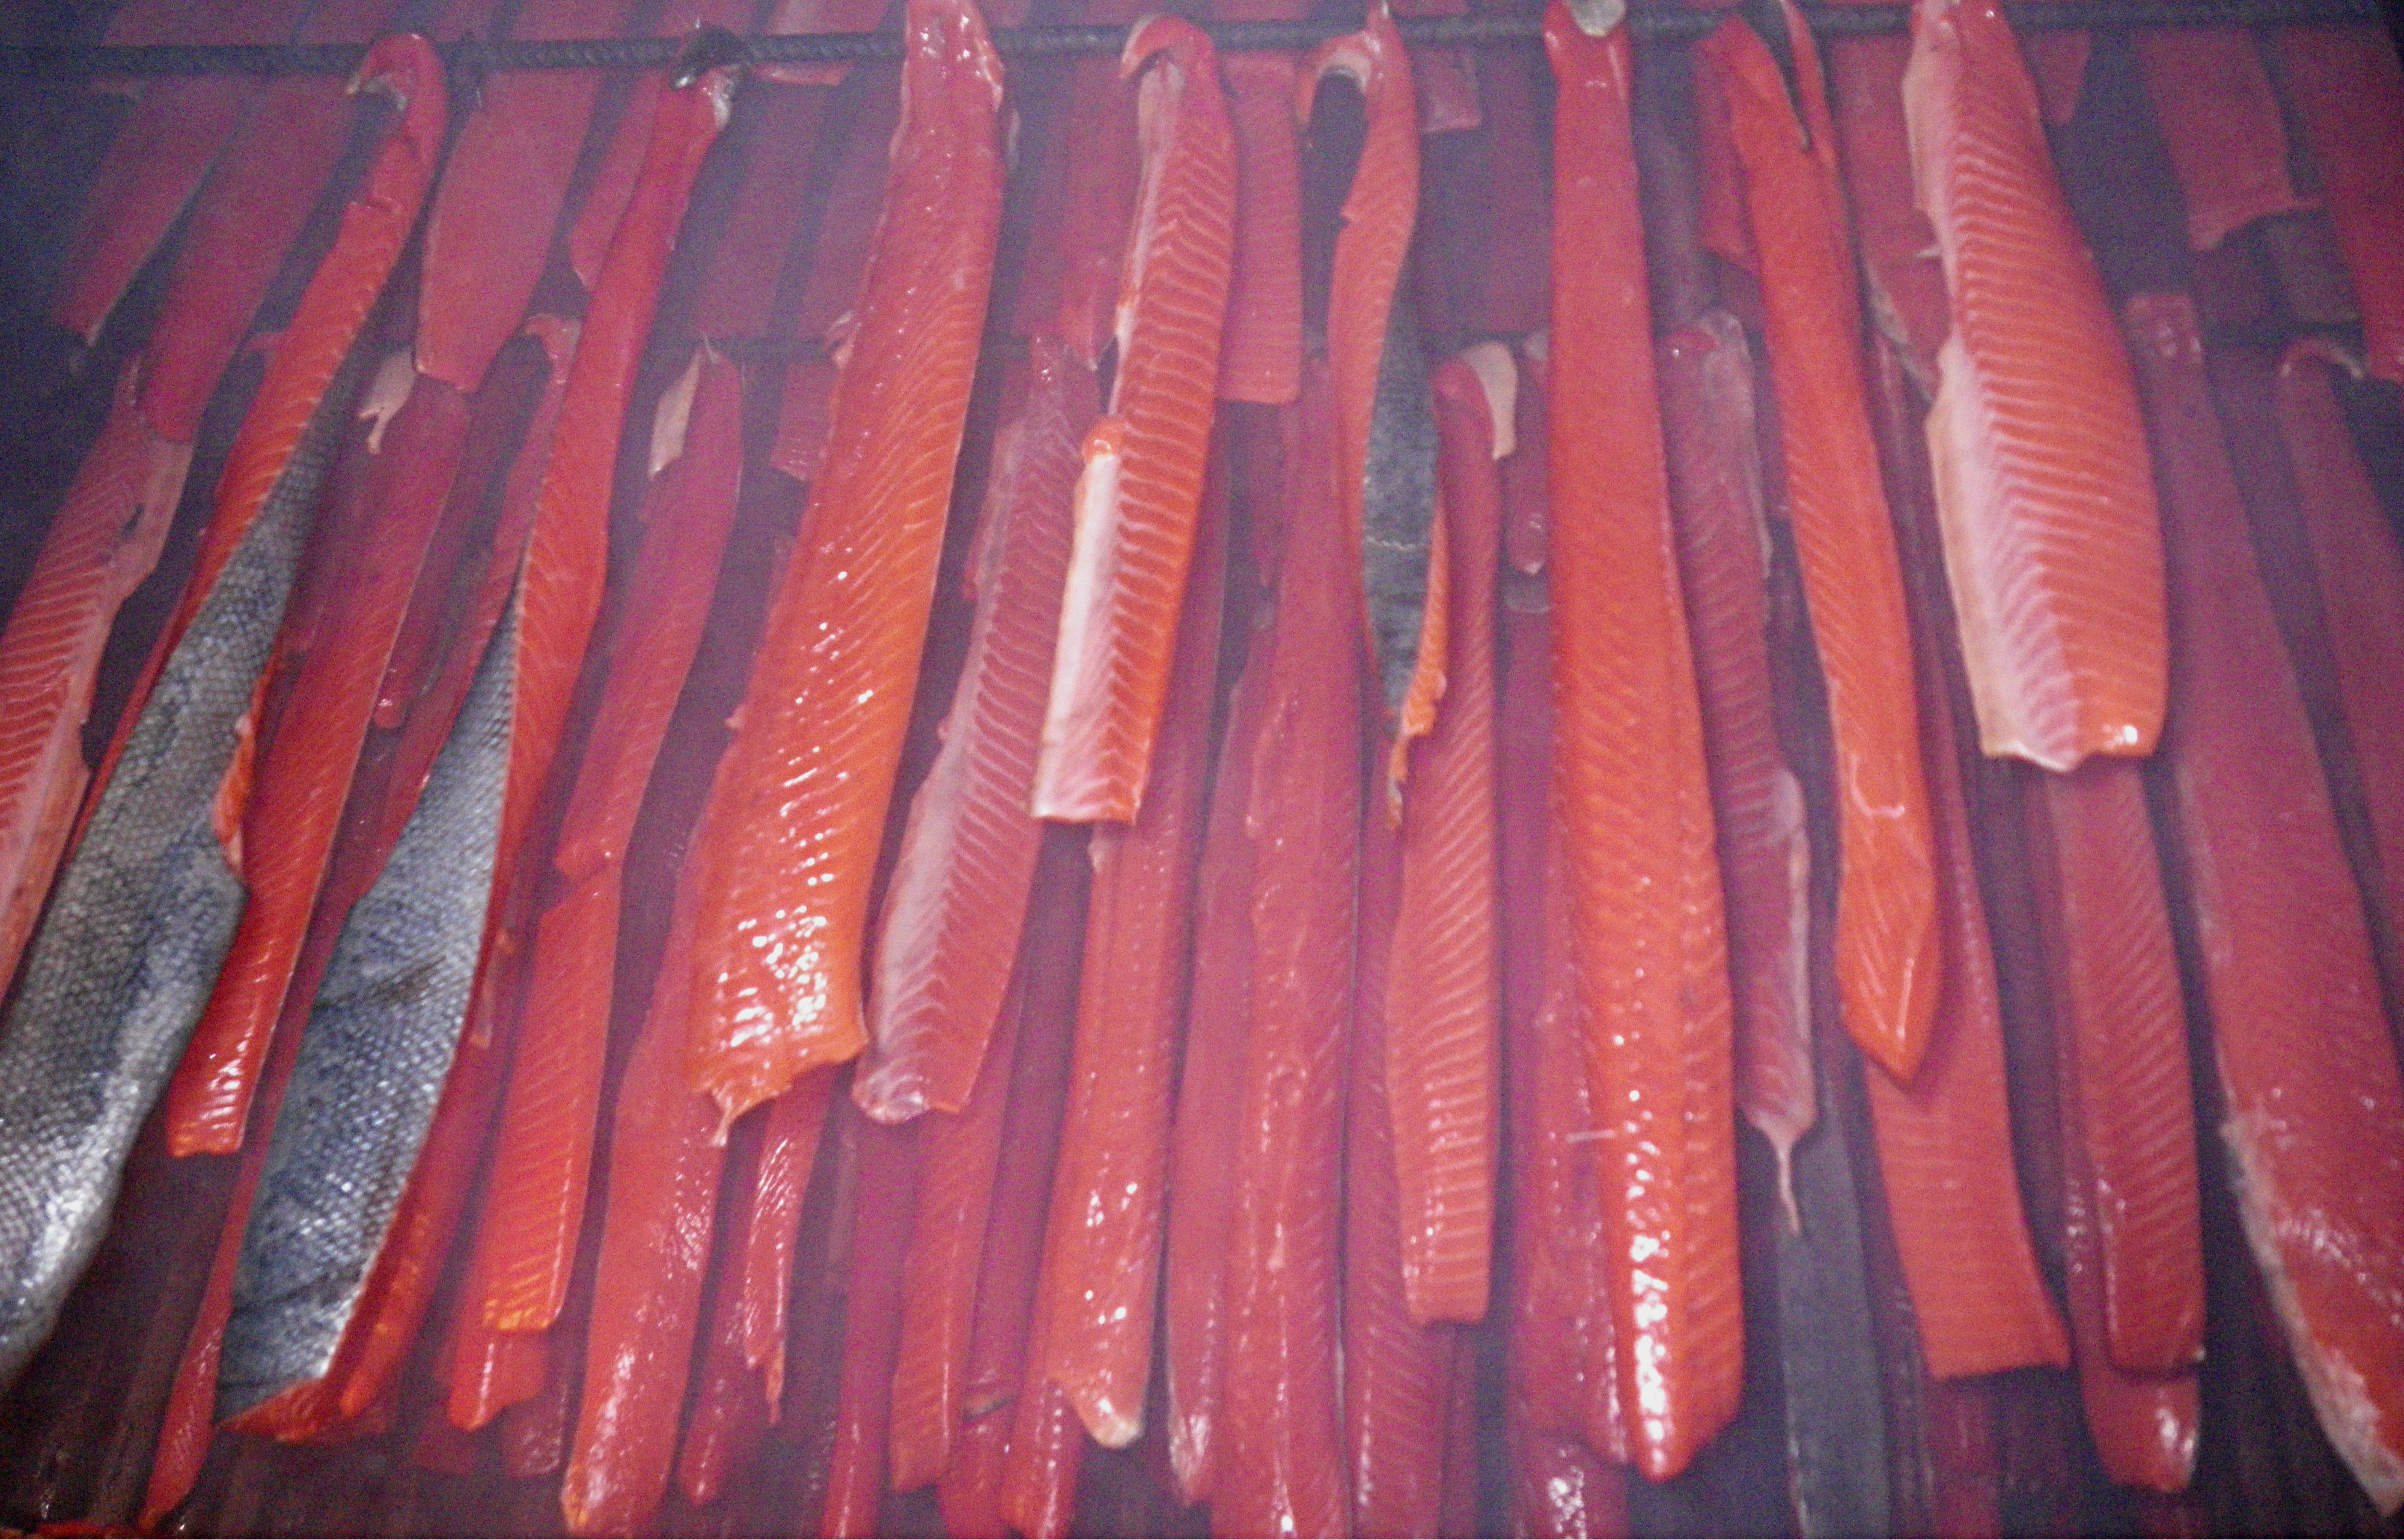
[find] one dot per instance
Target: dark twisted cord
(622, 53)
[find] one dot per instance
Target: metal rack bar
(631, 53)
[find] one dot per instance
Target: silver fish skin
(140, 920)
(382, 1033)
(1398, 502)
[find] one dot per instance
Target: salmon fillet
(1141, 486)
(2313, 1103)
(2051, 540)
(2347, 86)
(796, 814)
(2221, 125)
(1630, 789)
(1889, 964)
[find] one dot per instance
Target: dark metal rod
(1663, 26)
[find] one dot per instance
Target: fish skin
(957, 900)
(2347, 86)
(503, 187)
(1140, 490)
(1396, 1369)
(1104, 1235)
(2315, 1120)
(1716, 505)
(1387, 448)
(1261, 357)
(1944, 1141)
(1629, 787)
(534, 1203)
(2221, 123)
(1278, 1460)
(103, 541)
(1442, 1000)
(2052, 544)
(795, 816)
(2361, 575)
(109, 999)
(379, 1040)
(1887, 948)
(2120, 1027)
(304, 773)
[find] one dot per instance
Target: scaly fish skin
(2052, 544)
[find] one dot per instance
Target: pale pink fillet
(796, 814)
(2221, 123)
(2052, 544)
(1140, 489)
(1276, 1462)
(788, 1149)
(594, 228)
(243, 222)
(1102, 1242)
(781, 126)
(1261, 358)
(1888, 962)
(885, 1164)
(2347, 85)
(534, 1205)
(2360, 574)
(163, 147)
(502, 190)
(1442, 1003)
(103, 541)
(1560, 1491)
(1209, 1090)
(661, 1205)
(2120, 1026)
(1715, 499)
(1642, 885)
(304, 774)
(1903, 282)
(954, 908)
(1396, 1369)
(1512, 290)
(1944, 1140)
(566, 550)
(847, 229)
(2307, 1068)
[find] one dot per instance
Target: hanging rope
(634, 53)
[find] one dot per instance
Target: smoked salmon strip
(1716, 500)
(1386, 446)
(1276, 1456)
(2360, 571)
(797, 811)
(954, 909)
(788, 1148)
(1097, 1299)
(1902, 277)
(2052, 544)
(1944, 1139)
(1643, 883)
(1442, 1007)
(1140, 489)
(1262, 356)
(2301, 1046)
(2121, 1024)
(148, 899)
(2221, 123)
(1888, 955)
(2347, 86)
(533, 1204)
